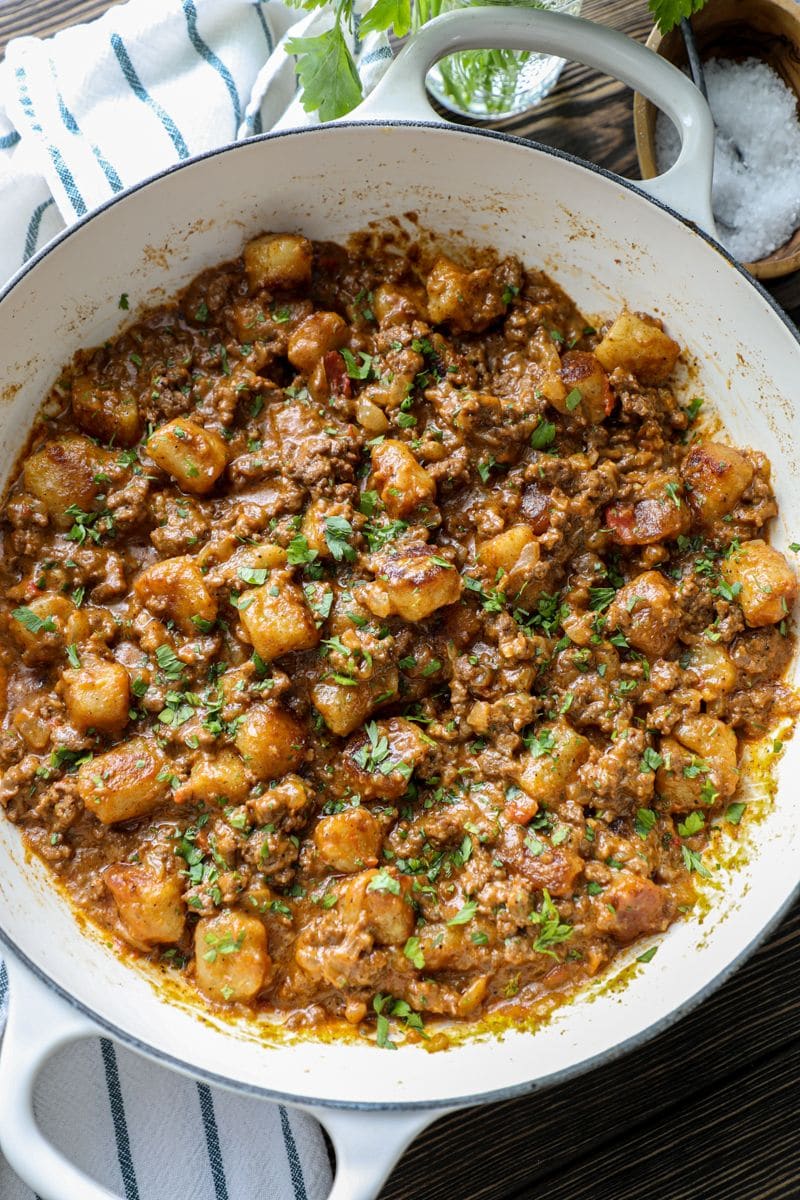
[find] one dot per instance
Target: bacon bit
(620, 519)
(339, 381)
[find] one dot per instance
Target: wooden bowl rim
(763, 268)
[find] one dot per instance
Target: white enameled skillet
(607, 242)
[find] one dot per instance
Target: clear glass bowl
(488, 85)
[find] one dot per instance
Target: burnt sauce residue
(379, 640)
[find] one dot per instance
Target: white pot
(605, 242)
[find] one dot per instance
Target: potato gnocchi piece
(314, 337)
(105, 414)
(699, 764)
(545, 771)
(278, 260)
(97, 695)
(271, 741)
(646, 612)
(411, 583)
(348, 841)
(638, 344)
(380, 901)
(149, 901)
(762, 582)
(277, 619)
(174, 589)
(402, 484)
(124, 783)
(63, 476)
(582, 372)
(715, 476)
(345, 706)
(464, 299)
(232, 962)
(193, 456)
(214, 779)
(379, 761)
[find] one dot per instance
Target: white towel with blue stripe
(99, 107)
(84, 115)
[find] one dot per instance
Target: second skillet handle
(400, 95)
(39, 1024)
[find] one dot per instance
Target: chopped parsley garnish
(573, 400)
(552, 930)
(225, 944)
(384, 882)
(256, 576)
(374, 756)
(338, 532)
(645, 820)
(32, 622)
(413, 952)
(169, 662)
(651, 760)
(694, 823)
(357, 368)
(543, 435)
(298, 552)
(600, 598)
(465, 914)
(693, 862)
(727, 590)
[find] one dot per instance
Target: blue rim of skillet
(472, 1098)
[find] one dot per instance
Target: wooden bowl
(738, 29)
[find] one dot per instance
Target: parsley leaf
(413, 952)
(169, 662)
(651, 760)
(600, 598)
(384, 882)
(543, 435)
(338, 532)
(645, 820)
(355, 369)
(385, 14)
(693, 862)
(32, 622)
(669, 13)
(464, 914)
(253, 575)
(327, 74)
(298, 552)
(552, 929)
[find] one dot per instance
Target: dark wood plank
(533, 1145)
(40, 17)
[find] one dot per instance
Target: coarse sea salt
(756, 190)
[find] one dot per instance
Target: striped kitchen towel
(100, 106)
(147, 1133)
(84, 115)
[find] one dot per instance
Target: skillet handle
(39, 1024)
(400, 95)
(368, 1144)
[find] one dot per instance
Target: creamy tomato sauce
(379, 639)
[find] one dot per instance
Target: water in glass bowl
(491, 84)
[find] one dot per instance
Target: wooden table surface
(709, 1108)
